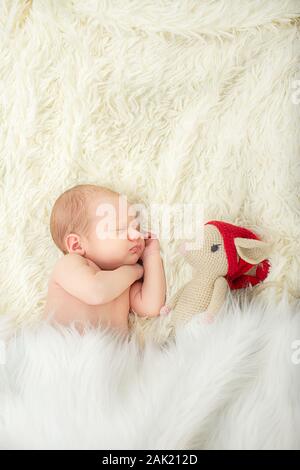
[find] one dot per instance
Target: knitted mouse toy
(230, 257)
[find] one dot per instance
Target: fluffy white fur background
(231, 385)
(170, 102)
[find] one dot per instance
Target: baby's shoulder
(68, 263)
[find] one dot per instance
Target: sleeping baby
(108, 268)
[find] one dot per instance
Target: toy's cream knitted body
(220, 263)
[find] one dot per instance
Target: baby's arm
(147, 298)
(78, 278)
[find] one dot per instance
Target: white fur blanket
(174, 101)
(234, 384)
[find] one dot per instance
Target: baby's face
(114, 237)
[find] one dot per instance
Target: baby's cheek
(106, 248)
(117, 248)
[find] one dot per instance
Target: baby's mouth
(135, 249)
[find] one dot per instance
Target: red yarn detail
(237, 267)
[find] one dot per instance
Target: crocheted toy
(231, 257)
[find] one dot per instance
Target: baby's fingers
(148, 234)
(165, 310)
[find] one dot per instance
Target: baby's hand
(151, 245)
(139, 270)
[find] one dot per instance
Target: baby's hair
(70, 212)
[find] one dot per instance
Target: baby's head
(97, 223)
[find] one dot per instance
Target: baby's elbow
(96, 297)
(153, 312)
(145, 312)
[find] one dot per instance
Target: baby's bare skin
(63, 307)
(80, 291)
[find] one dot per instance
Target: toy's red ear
(261, 271)
(251, 250)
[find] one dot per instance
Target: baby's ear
(73, 244)
(251, 250)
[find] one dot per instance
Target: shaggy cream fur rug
(231, 385)
(168, 101)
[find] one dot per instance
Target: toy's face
(210, 258)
